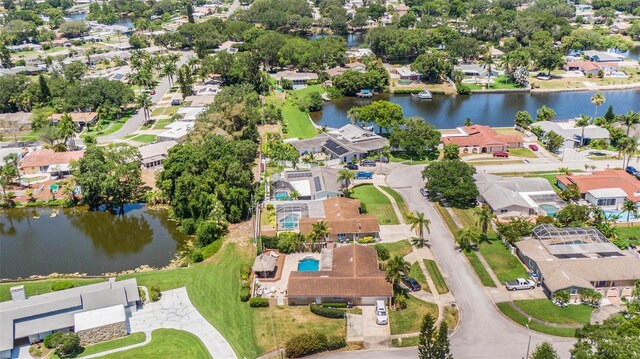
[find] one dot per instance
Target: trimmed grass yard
(131, 339)
(405, 342)
(522, 152)
(144, 138)
(162, 124)
(504, 264)
(451, 316)
(514, 315)
(402, 205)
(106, 129)
(167, 343)
(436, 276)
(377, 204)
(399, 248)
(417, 274)
(41, 286)
(628, 232)
(477, 266)
(409, 320)
(546, 311)
(298, 123)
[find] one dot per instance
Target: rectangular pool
(308, 265)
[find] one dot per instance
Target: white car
(382, 317)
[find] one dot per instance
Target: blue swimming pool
(622, 215)
(308, 265)
(289, 222)
(550, 209)
(281, 196)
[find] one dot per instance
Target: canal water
(496, 109)
(33, 242)
(122, 21)
(352, 39)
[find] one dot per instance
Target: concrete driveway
(375, 336)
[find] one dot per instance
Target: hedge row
(311, 343)
(327, 312)
(258, 302)
(245, 294)
(334, 305)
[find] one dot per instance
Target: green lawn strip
(546, 311)
(145, 138)
(41, 286)
(477, 266)
(504, 264)
(446, 217)
(171, 110)
(405, 342)
(409, 320)
(402, 205)
(133, 338)
(167, 343)
(514, 315)
(377, 204)
(466, 217)
(417, 274)
(522, 152)
(451, 316)
(628, 232)
(399, 248)
(113, 127)
(436, 276)
(161, 124)
(298, 123)
(157, 111)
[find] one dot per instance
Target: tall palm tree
(396, 267)
(319, 232)
(467, 237)
(144, 102)
(487, 64)
(169, 69)
(631, 209)
(294, 195)
(583, 122)
(66, 130)
(353, 114)
(345, 176)
(628, 147)
(597, 100)
(630, 120)
(419, 224)
(485, 216)
(13, 160)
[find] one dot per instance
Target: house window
(602, 283)
(607, 202)
(573, 291)
(504, 210)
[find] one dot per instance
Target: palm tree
(66, 130)
(583, 122)
(597, 100)
(319, 232)
(630, 120)
(419, 224)
(13, 160)
(169, 69)
(485, 216)
(467, 237)
(144, 102)
(353, 114)
(345, 176)
(627, 146)
(487, 63)
(309, 158)
(396, 267)
(294, 195)
(631, 209)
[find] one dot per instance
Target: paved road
(135, 121)
(483, 332)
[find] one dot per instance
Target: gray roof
(351, 138)
(320, 179)
(156, 149)
(55, 310)
(505, 192)
(573, 134)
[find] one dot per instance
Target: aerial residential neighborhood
(336, 179)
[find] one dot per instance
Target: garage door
(371, 300)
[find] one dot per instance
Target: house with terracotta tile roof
(48, 161)
(348, 273)
(608, 188)
(342, 216)
(480, 139)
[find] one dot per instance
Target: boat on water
(54, 213)
(423, 95)
(365, 94)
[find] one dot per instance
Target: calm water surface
(86, 242)
(489, 109)
(352, 39)
(122, 21)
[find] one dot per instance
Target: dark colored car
(413, 284)
(176, 102)
(351, 166)
(632, 170)
(500, 154)
(382, 159)
(424, 192)
(368, 163)
(533, 147)
(364, 175)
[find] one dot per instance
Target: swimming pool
(308, 265)
(281, 196)
(289, 222)
(622, 215)
(550, 209)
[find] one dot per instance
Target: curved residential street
(483, 331)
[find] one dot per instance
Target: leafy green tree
(545, 113)
(597, 100)
(144, 102)
(396, 267)
(345, 177)
(385, 114)
(75, 71)
(573, 215)
(433, 65)
(417, 138)
(452, 181)
(5, 57)
(420, 224)
(544, 350)
(68, 345)
(553, 141)
(72, 29)
(66, 129)
(523, 119)
(427, 337)
(383, 252)
(45, 93)
(7, 176)
(485, 217)
(185, 81)
(451, 152)
(631, 209)
(615, 337)
(513, 230)
(610, 116)
(583, 122)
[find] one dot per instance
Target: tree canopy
(451, 181)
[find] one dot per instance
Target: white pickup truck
(520, 283)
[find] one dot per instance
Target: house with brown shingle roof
(354, 277)
(480, 139)
(48, 161)
(607, 188)
(342, 216)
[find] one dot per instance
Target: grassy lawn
(467, 217)
(451, 316)
(131, 339)
(479, 269)
(167, 343)
(377, 204)
(522, 152)
(399, 248)
(546, 311)
(397, 157)
(628, 232)
(500, 83)
(276, 325)
(145, 138)
(298, 123)
(157, 111)
(399, 201)
(504, 264)
(409, 320)
(405, 342)
(40, 287)
(508, 131)
(106, 130)
(446, 217)
(506, 309)
(417, 274)
(436, 276)
(161, 124)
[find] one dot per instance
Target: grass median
(517, 317)
(436, 276)
(402, 205)
(167, 343)
(409, 320)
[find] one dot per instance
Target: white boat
(424, 95)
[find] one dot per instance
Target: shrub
(188, 226)
(327, 312)
(363, 208)
(287, 84)
(335, 342)
(334, 305)
(245, 294)
(258, 302)
(68, 345)
(142, 294)
(383, 252)
(269, 242)
(155, 293)
(366, 240)
(62, 285)
(463, 89)
(270, 207)
(306, 344)
(197, 256)
(400, 301)
(51, 341)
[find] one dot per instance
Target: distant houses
(299, 79)
(316, 183)
(47, 161)
(573, 135)
(607, 188)
(480, 139)
(342, 216)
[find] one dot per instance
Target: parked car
(412, 284)
(632, 170)
(368, 163)
(176, 102)
(533, 147)
(351, 166)
(382, 159)
(500, 154)
(519, 284)
(424, 192)
(382, 318)
(364, 175)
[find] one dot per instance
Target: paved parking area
(375, 336)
